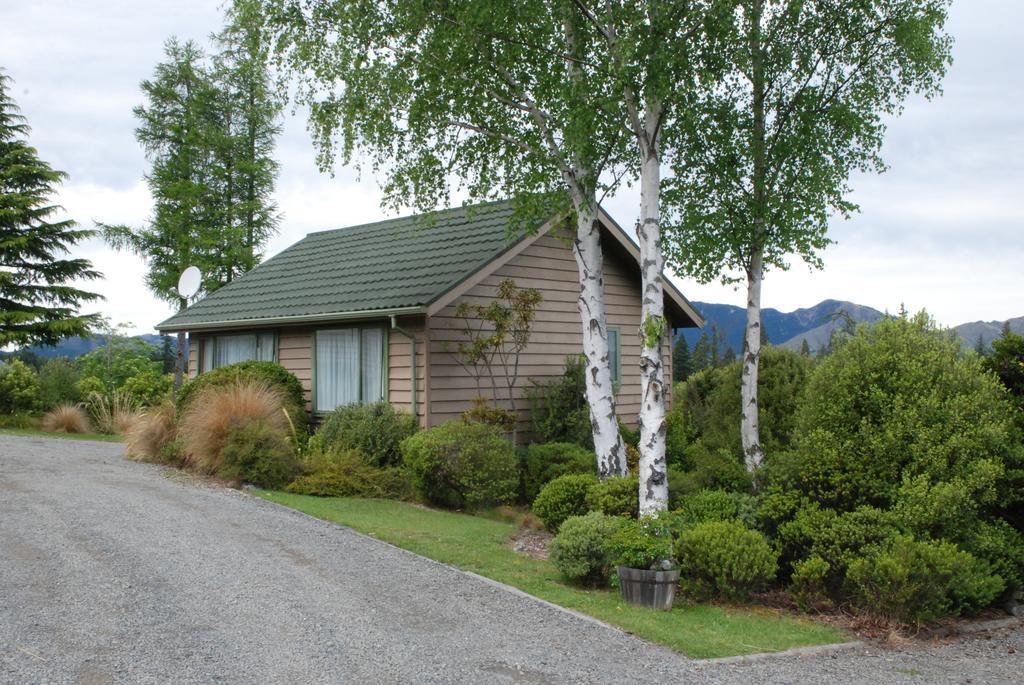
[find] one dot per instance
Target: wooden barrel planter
(649, 589)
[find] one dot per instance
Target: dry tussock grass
(217, 410)
(67, 418)
(114, 413)
(151, 432)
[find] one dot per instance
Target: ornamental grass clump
(113, 413)
(220, 409)
(66, 418)
(151, 433)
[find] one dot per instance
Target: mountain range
(816, 324)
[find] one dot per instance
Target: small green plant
(562, 498)
(724, 559)
(375, 429)
(616, 496)
(260, 454)
(639, 544)
(546, 461)
(347, 473)
(581, 549)
(808, 584)
(558, 408)
(462, 465)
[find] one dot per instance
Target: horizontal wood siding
(549, 266)
(294, 353)
(193, 356)
(399, 366)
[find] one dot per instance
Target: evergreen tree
(701, 353)
(37, 303)
(729, 356)
(805, 348)
(979, 345)
(682, 363)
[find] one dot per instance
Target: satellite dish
(189, 282)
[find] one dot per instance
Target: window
(221, 350)
(614, 354)
(349, 367)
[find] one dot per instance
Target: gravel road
(112, 571)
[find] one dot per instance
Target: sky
(942, 229)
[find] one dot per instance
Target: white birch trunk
(750, 427)
(653, 472)
(611, 453)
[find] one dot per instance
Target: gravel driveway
(112, 571)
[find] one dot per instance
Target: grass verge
(480, 545)
(29, 432)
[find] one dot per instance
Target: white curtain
(265, 346)
(337, 368)
(207, 354)
(372, 365)
(232, 349)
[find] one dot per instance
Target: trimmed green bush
(546, 461)
(724, 559)
(558, 408)
(616, 496)
(259, 454)
(918, 582)
(462, 465)
(271, 373)
(375, 429)
(562, 498)
(581, 552)
(347, 473)
(712, 470)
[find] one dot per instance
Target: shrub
(19, 388)
(376, 430)
(616, 496)
(562, 498)
(808, 584)
(546, 461)
(898, 399)
(218, 410)
(724, 559)
(581, 552)
(717, 505)
(58, 383)
(462, 465)
(149, 387)
(483, 412)
(918, 582)
(151, 434)
(712, 470)
(114, 413)
(558, 408)
(1007, 362)
(258, 453)
(638, 544)
(346, 473)
(272, 375)
(66, 418)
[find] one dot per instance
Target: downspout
(412, 372)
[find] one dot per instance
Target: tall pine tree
(682, 363)
(38, 302)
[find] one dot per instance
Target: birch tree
(504, 97)
(657, 54)
(767, 159)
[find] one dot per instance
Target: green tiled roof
(390, 265)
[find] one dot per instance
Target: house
(367, 313)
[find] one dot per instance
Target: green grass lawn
(479, 544)
(68, 436)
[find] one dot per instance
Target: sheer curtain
(372, 364)
(232, 349)
(337, 368)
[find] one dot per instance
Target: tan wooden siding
(193, 356)
(294, 353)
(399, 366)
(549, 266)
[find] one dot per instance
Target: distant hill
(988, 330)
(782, 328)
(816, 324)
(76, 347)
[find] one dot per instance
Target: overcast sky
(942, 229)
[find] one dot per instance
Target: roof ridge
(437, 212)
